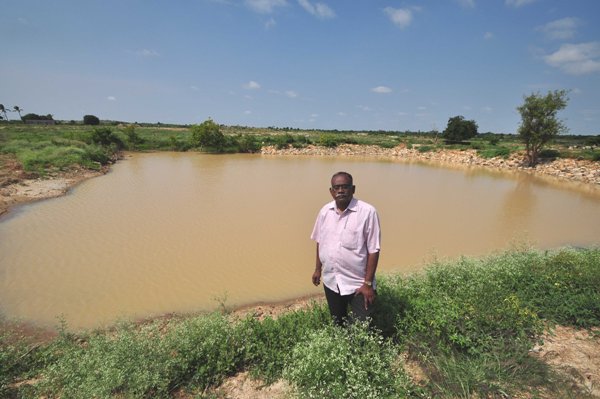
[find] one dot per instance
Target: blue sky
(326, 64)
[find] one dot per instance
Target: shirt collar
(351, 206)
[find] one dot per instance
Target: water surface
(173, 232)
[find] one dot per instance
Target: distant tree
(459, 129)
(208, 135)
(18, 110)
(36, 117)
(539, 123)
(91, 120)
(3, 111)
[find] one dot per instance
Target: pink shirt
(344, 241)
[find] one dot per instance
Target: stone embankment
(565, 169)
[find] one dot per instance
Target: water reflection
(180, 232)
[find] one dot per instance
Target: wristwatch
(369, 283)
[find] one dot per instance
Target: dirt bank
(563, 169)
(18, 186)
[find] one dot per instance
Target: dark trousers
(339, 304)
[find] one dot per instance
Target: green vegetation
(469, 324)
(539, 123)
(459, 130)
(92, 120)
(45, 149)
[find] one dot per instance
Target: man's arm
(316, 277)
(367, 290)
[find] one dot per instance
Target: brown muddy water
(171, 232)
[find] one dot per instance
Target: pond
(189, 232)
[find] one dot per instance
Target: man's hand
(316, 277)
(368, 294)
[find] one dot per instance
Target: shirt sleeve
(373, 233)
(315, 236)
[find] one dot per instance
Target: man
(348, 237)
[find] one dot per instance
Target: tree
(3, 111)
(539, 123)
(91, 120)
(18, 110)
(459, 129)
(36, 117)
(208, 135)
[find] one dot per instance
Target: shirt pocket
(350, 239)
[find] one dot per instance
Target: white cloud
(195, 88)
(467, 3)
(363, 107)
(111, 98)
(320, 10)
(561, 28)
(291, 94)
(488, 35)
(147, 53)
(487, 109)
(247, 112)
(265, 6)
(341, 113)
(518, 3)
(401, 17)
(381, 90)
(576, 59)
(251, 85)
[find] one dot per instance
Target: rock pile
(566, 169)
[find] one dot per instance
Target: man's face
(342, 190)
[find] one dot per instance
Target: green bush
(549, 154)
(493, 152)
(208, 136)
(91, 120)
(248, 144)
(340, 363)
(425, 148)
(147, 362)
(328, 140)
(51, 157)
(107, 138)
(133, 138)
(563, 287)
(268, 342)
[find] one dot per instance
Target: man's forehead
(340, 178)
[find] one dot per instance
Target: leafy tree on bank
(208, 135)
(459, 129)
(539, 123)
(91, 120)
